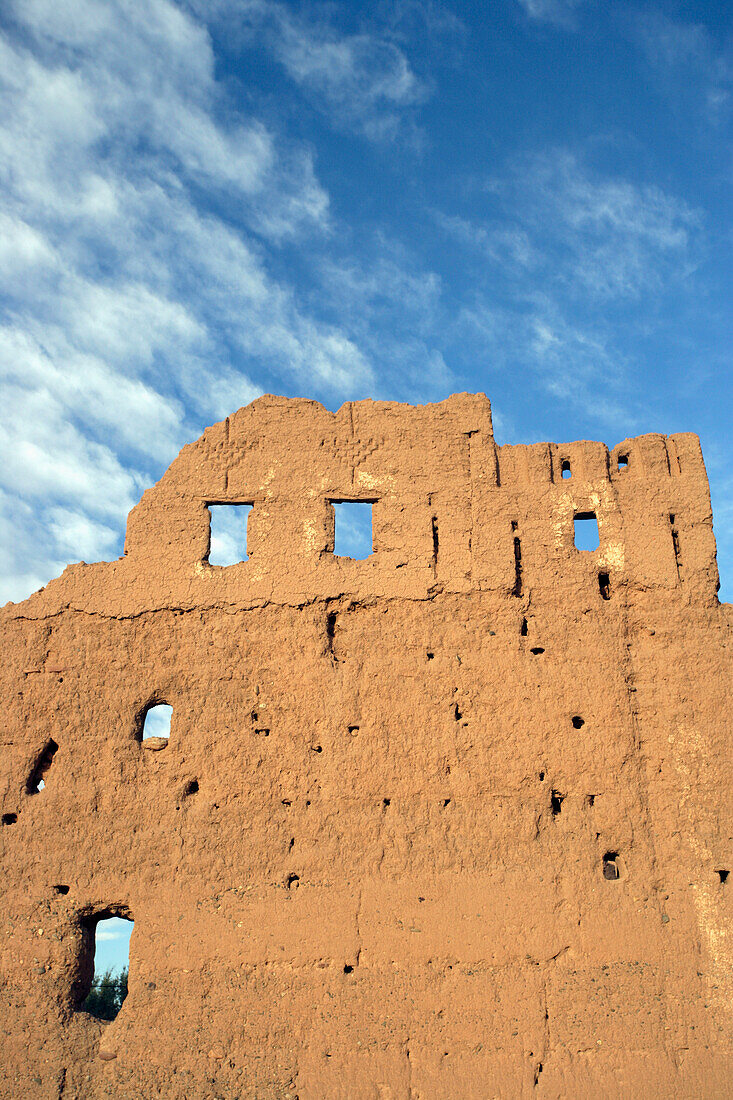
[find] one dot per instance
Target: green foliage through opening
(106, 995)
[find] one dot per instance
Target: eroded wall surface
(372, 858)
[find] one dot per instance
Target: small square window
(353, 529)
(228, 539)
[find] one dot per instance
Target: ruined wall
(369, 862)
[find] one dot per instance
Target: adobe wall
(369, 861)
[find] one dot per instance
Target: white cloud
(560, 12)
(362, 81)
(133, 314)
(687, 60)
(594, 235)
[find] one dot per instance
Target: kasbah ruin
(449, 822)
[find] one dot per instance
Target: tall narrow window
(565, 468)
(36, 780)
(228, 539)
(675, 541)
(586, 531)
(353, 529)
(104, 966)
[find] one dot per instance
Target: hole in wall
(586, 531)
(590, 799)
(348, 968)
(446, 803)
(157, 721)
(330, 630)
(542, 777)
(353, 730)
(101, 982)
(610, 866)
(517, 589)
(675, 541)
(316, 748)
(577, 721)
(623, 462)
(556, 801)
(192, 787)
(60, 888)
(9, 819)
(430, 656)
(353, 537)
(262, 732)
(386, 802)
(604, 585)
(723, 876)
(457, 713)
(565, 469)
(523, 630)
(292, 881)
(35, 782)
(228, 533)
(537, 650)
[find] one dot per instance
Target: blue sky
(204, 201)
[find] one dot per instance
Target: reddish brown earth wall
(421, 776)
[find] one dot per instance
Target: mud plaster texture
(371, 861)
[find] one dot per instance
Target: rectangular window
(353, 529)
(586, 531)
(103, 984)
(228, 538)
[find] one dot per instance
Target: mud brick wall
(452, 821)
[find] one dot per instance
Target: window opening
(723, 876)
(565, 469)
(586, 531)
(107, 960)
(517, 590)
(675, 542)
(157, 721)
(556, 801)
(436, 543)
(228, 533)
(623, 462)
(524, 628)
(604, 585)
(35, 783)
(610, 866)
(60, 888)
(353, 529)
(330, 630)
(9, 819)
